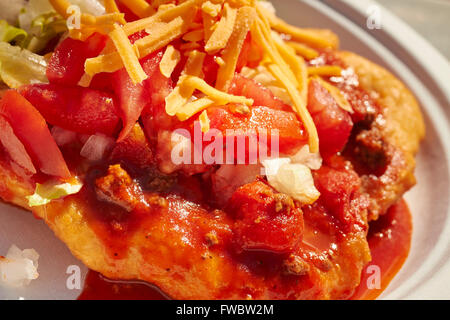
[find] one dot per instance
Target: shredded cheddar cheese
(336, 93)
(211, 27)
(264, 38)
(313, 37)
(190, 46)
(139, 7)
(303, 50)
(169, 61)
(161, 37)
(184, 10)
(191, 108)
(128, 55)
(212, 9)
(194, 35)
(329, 71)
(204, 121)
(111, 6)
(245, 17)
(182, 93)
(216, 95)
(208, 25)
(301, 108)
(223, 31)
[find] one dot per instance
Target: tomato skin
(339, 189)
(251, 54)
(136, 98)
(210, 69)
(333, 124)
(31, 129)
(131, 100)
(261, 96)
(258, 225)
(14, 147)
(261, 120)
(66, 65)
(77, 109)
(157, 85)
(134, 149)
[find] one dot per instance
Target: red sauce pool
(97, 287)
(389, 240)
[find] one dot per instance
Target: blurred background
(430, 18)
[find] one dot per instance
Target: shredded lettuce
(10, 34)
(20, 66)
(42, 24)
(49, 191)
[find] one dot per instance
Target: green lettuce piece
(10, 34)
(44, 28)
(20, 66)
(49, 191)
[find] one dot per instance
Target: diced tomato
(102, 81)
(129, 15)
(138, 35)
(31, 129)
(134, 149)
(157, 85)
(131, 98)
(14, 147)
(66, 65)
(333, 123)
(251, 54)
(262, 121)
(264, 219)
(210, 68)
(77, 109)
(339, 189)
(149, 94)
(261, 96)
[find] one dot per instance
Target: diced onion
(63, 136)
(96, 146)
(305, 157)
(292, 175)
(19, 267)
(229, 177)
(293, 179)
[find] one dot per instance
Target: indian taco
(206, 147)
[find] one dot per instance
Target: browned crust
(401, 128)
(404, 126)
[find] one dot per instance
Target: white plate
(426, 273)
